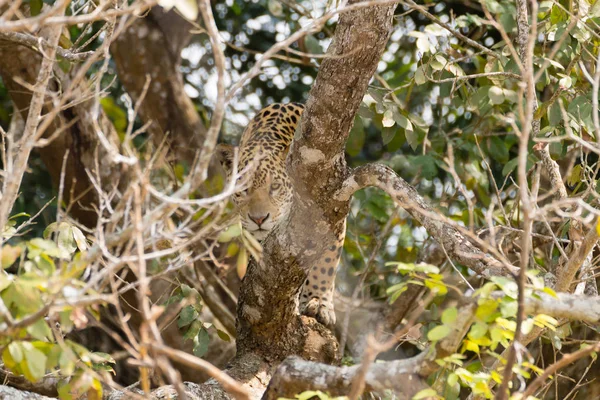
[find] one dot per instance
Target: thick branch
(568, 306)
(405, 377)
(7, 392)
(455, 244)
(296, 375)
(12, 182)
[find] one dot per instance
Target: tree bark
(150, 49)
(7, 392)
(80, 141)
(296, 376)
(267, 310)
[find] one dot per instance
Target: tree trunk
(150, 50)
(79, 140)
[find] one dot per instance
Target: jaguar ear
(224, 153)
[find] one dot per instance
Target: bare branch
(27, 142)
(576, 260)
(229, 384)
(457, 245)
(40, 43)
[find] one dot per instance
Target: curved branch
(455, 243)
(228, 383)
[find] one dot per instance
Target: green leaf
(388, 134)
(16, 352)
(35, 7)
(510, 166)
(66, 241)
(412, 138)
(187, 316)
(19, 215)
(116, 114)
(449, 315)
(230, 233)
(496, 95)
(223, 335)
(99, 358)
(193, 330)
(425, 394)
(40, 330)
(66, 361)
(581, 109)
(437, 333)
(36, 362)
(388, 118)
(486, 309)
(550, 291)
(420, 77)
(396, 291)
(365, 112)
(436, 286)
(478, 330)
(554, 114)
(174, 299)
(313, 45)
(201, 343)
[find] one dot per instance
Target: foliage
(43, 298)
(442, 113)
(189, 319)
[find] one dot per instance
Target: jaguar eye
(275, 186)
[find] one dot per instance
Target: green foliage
(433, 113)
(189, 319)
(40, 286)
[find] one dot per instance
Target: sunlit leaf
(438, 333)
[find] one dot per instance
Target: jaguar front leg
(316, 297)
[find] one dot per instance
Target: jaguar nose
(259, 220)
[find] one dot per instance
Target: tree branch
(405, 377)
(296, 375)
(39, 43)
(578, 257)
(568, 306)
(455, 243)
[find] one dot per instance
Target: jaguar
(263, 148)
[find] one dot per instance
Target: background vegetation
(488, 109)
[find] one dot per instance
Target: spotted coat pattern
(264, 146)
